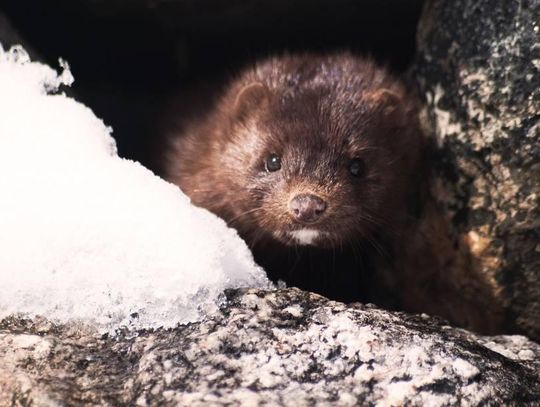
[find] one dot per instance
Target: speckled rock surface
(479, 69)
(269, 348)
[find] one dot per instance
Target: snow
(88, 236)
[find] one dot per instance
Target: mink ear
(385, 99)
(251, 97)
(389, 102)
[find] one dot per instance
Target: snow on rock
(86, 235)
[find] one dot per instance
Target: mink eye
(272, 163)
(357, 167)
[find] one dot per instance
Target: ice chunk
(87, 235)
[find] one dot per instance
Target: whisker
(256, 239)
(238, 217)
(378, 247)
(355, 251)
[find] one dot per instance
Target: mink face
(303, 150)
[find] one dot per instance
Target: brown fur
(317, 113)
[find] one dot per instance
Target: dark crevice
(129, 58)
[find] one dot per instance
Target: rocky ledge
(285, 347)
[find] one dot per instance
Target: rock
(277, 348)
(478, 66)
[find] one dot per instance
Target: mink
(314, 160)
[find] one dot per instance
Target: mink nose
(307, 208)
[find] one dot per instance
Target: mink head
(314, 151)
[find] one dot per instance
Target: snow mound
(86, 235)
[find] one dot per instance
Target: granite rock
(286, 347)
(478, 66)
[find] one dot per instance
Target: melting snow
(86, 235)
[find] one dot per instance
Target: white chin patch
(305, 236)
